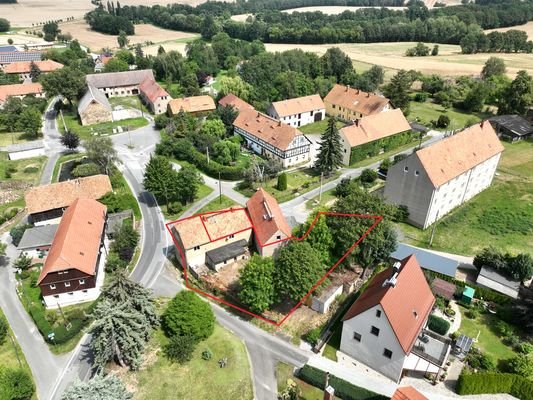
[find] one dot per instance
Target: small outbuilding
(94, 107)
(491, 279)
(428, 259)
(443, 288)
(25, 150)
(229, 253)
(512, 127)
(37, 241)
(468, 295)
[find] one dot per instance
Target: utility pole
(219, 189)
(63, 119)
(207, 154)
(433, 229)
(320, 191)
(141, 107)
(16, 350)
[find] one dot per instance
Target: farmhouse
(215, 239)
(23, 68)
(100, 61)
(119, 83)
(512, 127)
(272, 139)
(271, 229)
(236, 102)
(371, 129)
(299, 111)
(14, 56)
(25, 150)
(154, 96)
(45, 204)
(434, 180)
(194, 105)
(73, 270)
(20, 90)
(94, 108)
(384, 327)
(348, 103)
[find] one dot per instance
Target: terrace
(429, 353)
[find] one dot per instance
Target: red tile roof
(19, 90)
(22, 67)
(192, 104)
(266, 217)
(406, 305)
(408, 393)
(231, 100)
(77, 240)
(151, 90)
(298, 105)
(356, 100)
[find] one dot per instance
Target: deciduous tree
(70, 139)
(30, 122)
(122, 39)
(257, 283)
(518, 97)
(398, 90)
(108, 387)
(493, 66)
(124, 242)
(67, 81)
(336, 63)
(101, 151)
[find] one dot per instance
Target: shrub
(489, 383)
(443, 121)
(114, 262)
(3, 330)
(522, 365)
(87, 169)
(368, 176)
(438, 324)
(207, 355)
(421, 97)
(15, 384)
(180, 348)
(31, 170)
(17, 232)
(479, 360)
(472, 313)
(313, 336)
(282, 182)
(343, 389)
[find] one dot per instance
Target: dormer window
(378, 313)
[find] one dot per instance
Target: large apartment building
(435, 179)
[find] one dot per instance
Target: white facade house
(272, 139)
(383, 328)
(434, 180)
(299, 111)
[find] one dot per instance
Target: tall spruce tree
(330, 152)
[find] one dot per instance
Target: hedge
(438, 324)
(491, 383)
(62, 335)
(343, 389)
(372, 149)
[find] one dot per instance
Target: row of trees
(102, 21)
(512, 41)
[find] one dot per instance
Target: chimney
(329, 392)
(481, 124)
(347, 88)
(368, 95)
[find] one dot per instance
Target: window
(82, 281)
(84, 290)
(374, 331)
(333, 105)
(71, 293)
(387, 353)
(357, 336)
(196, 248)
(312, 113)
(278, 237)
(405, 169)
(378, 313)
(56, 296)
(67, 284)
(345, 150)
(417, 173)
(231, 236)
(52, 287)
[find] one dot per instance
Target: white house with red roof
(271, 229)
(154, 96)
(385, 327)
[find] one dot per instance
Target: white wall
(370, 349)
(19, 155)
(301, 119)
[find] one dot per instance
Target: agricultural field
(449, 62)
(334, 10)
(28, 12)
(528, 28)
(499, 216)
(178, 44)
(143, 33)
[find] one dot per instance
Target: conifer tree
(330, 152)
(100, 387)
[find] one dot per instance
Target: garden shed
(443, 288)
(468, 295)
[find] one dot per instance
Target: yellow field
(449, 62)
(143, 32)
(527, 27)
(27, 12)
(333, 10)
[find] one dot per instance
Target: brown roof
(231, 100)
(25, 66)
(204, 228)
(266, 216)
(376, 126)
(268, 129)
(298, 105)
(118, 79)
(62, 194)
(19, 90)
(151, 89)
(443, 288)
(76, 243)
(356, 100)
(456, 154)
(192, 104)
(408, 393)
(406, 305)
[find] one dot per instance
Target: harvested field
(28, 12)
(449, 62)
(528, 28)
(333, 10)
(143, 33)
(240, 17)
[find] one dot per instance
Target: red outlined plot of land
(244, 223)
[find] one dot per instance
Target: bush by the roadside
(343, 389)
(489, 383)
(438, 324)
(313, 336)
(3, 330)
(87, 169)
(17, 232)
(180, 348)
(7, 215)
(15, 384)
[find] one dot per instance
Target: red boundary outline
(377, 219)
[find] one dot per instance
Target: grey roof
(515, 123)
(36, 144)
(16, 56)
(91, 94)
(494, 276)
(8, 49)
(427, 259)
(227, 252)
(416, 127)
(114, 221)
(38, 236)
(117, 79)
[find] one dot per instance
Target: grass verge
(177, 209)
(61, 160)
(216, 204)
(284, 372)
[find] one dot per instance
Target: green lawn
(284, 372)
(429, 111)
(499, 216)
(298, 182)
(216, 204)
(177, 210)
(129, 102)
(327, 196)
(105, 128)
(318, 127)
(197, 379)
(6, 138)
(216, 85)
(124, 195)
(9, 351)
(488, 341)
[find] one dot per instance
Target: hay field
(449, 62)
(143, 32)
(333, 10)
(528, 28)
(27, 12)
